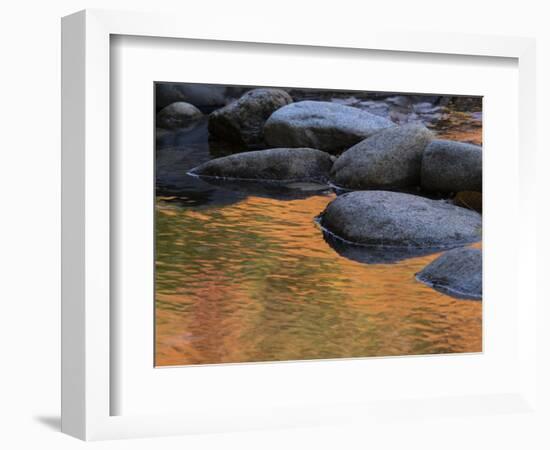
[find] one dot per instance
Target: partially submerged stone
(326, 126)
(450, 166)
(457, 272)
(391, 219)
(276, 164)
(177, 115)
(242, 121)
(390, 159)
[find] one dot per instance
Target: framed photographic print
(277, 243)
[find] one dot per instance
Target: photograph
(298, 223)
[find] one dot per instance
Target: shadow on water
(373, 254)
(274, 190)
(176, 153)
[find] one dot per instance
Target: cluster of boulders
(374, 161)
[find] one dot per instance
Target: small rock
(399, 100)
(449, 166)
(392, 219)
(349, 101)
(426, 108)
(276, 164)
(242, 121)
(177, 115)
(324, 125)
(390, 159)
(457, 272)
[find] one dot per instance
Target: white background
(29, 143)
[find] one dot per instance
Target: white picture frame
(86, 220)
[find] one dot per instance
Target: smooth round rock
(276, 164)
(395, 219)
(457, 272)
(450, 166)
(324, 125)
(390, 159)
(177, 115)
(242, 121)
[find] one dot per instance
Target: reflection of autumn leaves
(255, 281)
(460, 126)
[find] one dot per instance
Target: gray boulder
(390, 159)
(276, 164)
(177, 115)
(449, 166)
(392, 219)
(457, 272)
(242, 121)
(324, 125)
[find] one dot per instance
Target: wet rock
(242, 121)
(399, 100)
(324, 125)
(392, 219)
(276, 164)
(348, 101)
(449, 166)
(457, 272)
(204, 96)
(426, 108)
(375, 107)
(177, 115)
(390, 159)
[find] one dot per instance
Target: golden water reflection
(255, 281)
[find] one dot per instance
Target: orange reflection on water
(255, 281)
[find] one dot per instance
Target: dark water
(244, 274)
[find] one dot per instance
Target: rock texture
(390, 159)
(394, 219)
(277, 164)
(177, 115)
(457, 272)
(206, 97)
(449, 166)
(324, 125)
(242, 121)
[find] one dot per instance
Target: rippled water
(244, 274)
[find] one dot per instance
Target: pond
(244, 274)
